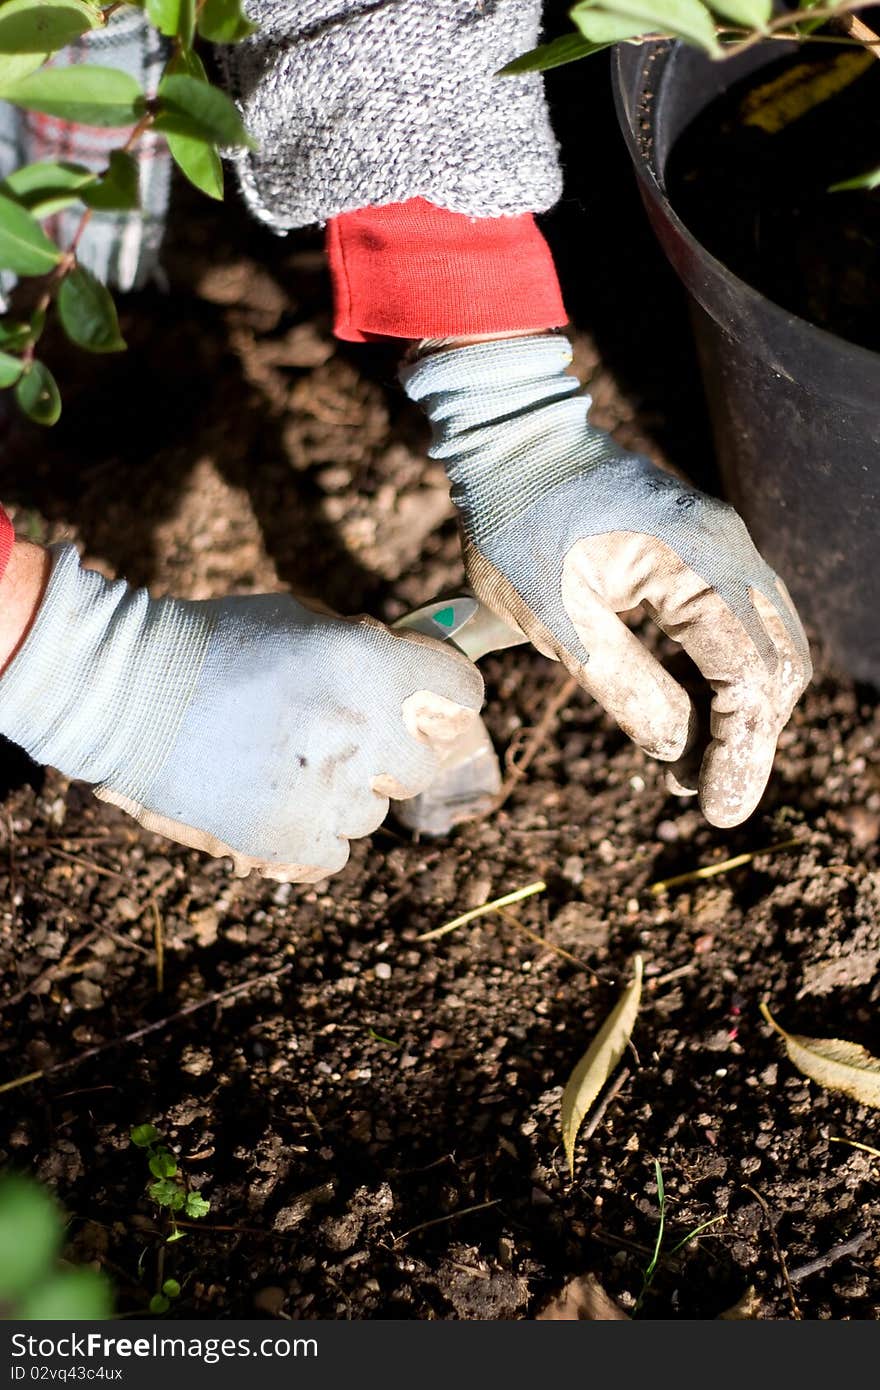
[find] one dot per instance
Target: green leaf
(16, 65)
(14, 335)
(166, 1193)
(191, 107)
(196, 159)
(171, 1288)
(186, 24)
(807, 26)
(43, 26)
(159, 1303)
(76, 1295)
(188, 63)
(196, 1205)
(751, 14)
(869, 180)
(686, 19)
(223, 21)
(174, 18)
(176, 1234)
(163, 1164)
(24, 246)
(604, 28)
(118, 189)
(30, 1234)
(553, 55)
(10, 370)
(38, 396)
(87, 95)
(199, 162)
(45, 188)
(88, 317)
(144, 1135)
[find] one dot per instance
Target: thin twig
(506, 901)
(856, 29)
(219, 997)
(441, 1220)
(549, 945)
(855, 1144)
(89, 864)
(599, 1113)
(724, 867)
(795, 1310)
(678, 974)
(53, 971)
(536, 740)
(782, 29)
(159, 943)
(87, 920)
(837, 1252)
(514, 921)
(784, 22)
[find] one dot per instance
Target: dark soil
(752, 178)
(375, 1119)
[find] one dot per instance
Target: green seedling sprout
(170, 1189)
(651, 1269)
(161, 1302)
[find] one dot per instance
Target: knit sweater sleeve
(358, 103)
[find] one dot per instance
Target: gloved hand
(252, 727)
(563, 530)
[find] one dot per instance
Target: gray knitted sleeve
(358, 103)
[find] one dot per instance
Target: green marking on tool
(446, 617)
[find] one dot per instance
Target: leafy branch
(195, 117)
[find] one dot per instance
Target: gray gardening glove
(252, 727)
(563, 531)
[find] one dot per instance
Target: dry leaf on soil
(747, 1308)
(833, 1063)
(582, 1300)
(597, 1064)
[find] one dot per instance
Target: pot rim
(720, 288)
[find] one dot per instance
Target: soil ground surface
(375, 1118)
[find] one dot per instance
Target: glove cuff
(412, 270)
(75, 696)
(508, 422)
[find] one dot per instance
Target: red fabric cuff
(413, 270)
(7, 541)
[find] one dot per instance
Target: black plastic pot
(795, 410)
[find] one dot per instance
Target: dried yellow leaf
(746, 1309)
(582, 1300)
(598, 1062)
(833, 1063)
